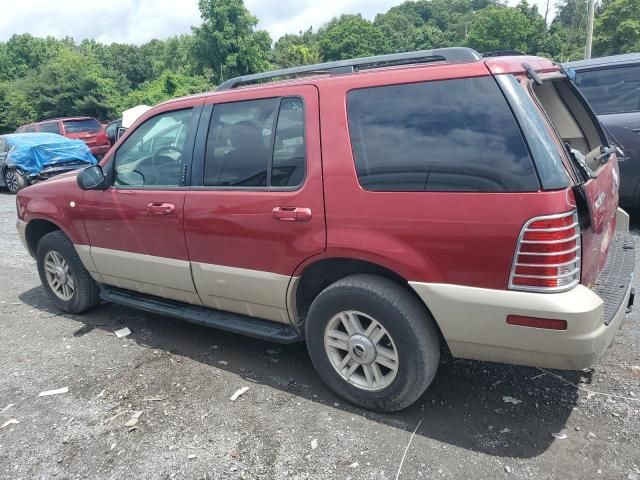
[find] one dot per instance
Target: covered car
(26, 158)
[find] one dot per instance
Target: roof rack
(451, 55)
(503, 53)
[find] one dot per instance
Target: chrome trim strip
(544, 265)
(573, 272)
(562, 288)
(548, 254)
(548, 242)
(557, 229)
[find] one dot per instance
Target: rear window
(451, 135)
(611, 90)
(86, 125)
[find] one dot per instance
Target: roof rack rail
(451, 55)
(503, 53)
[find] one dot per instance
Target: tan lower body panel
(159, 276)
(21, 226)
(473, 322)
(239, 290)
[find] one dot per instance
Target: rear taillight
(547, 257)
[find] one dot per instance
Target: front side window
(448, 135)
(153, 154)
(611, 90)
(257, 143)
(50, 127)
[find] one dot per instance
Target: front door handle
(161, 208)
(292, 214)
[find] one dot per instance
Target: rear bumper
(473, 320)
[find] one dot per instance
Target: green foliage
(499, 28)
(227, 42)
(351, 36)
(618, 27)
(46, 77)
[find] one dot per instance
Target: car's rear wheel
(63, 275)
(372, 342)
(13, 180)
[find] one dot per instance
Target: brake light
(547, 257)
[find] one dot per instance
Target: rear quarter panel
(445, 237)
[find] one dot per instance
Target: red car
(375, 208)
(87, 129)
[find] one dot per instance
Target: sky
(138, 21)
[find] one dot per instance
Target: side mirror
(120, 132)
(91, 178)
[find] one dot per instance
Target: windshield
(85, 125)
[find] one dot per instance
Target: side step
(231, 322)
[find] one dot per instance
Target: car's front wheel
(63, 275)
(372, 342)
(13, 180)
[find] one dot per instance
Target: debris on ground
(13, 421)
(6, 408)
(191, 456)
(123, 332)
(314, 444)
(239, 392)
(57, 391)
(505, 430)
(507, 468)
(507, 399)
(354, 465)
(134, 419)
(559, 435)
(223, 362)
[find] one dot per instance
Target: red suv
(377, 208)
(87, 129)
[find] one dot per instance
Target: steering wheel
(155, 158)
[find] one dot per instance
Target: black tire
(86, 291)
(13, 180)
(407, 321)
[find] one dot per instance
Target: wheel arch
(36, 229)
(318, 275)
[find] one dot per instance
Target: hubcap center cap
(361, 349)
(60, 275)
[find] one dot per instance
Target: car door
(135, 226)
(255, 210)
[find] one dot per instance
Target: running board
(231, 322)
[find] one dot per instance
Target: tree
(168, 85)
(617, 28)
(351, 36)
(294, 50)
(398, 29)
(227, 42)
(501, 28)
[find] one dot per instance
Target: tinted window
(612, 90)
(241, 145)
(50, 127)
(289, 151)
(153, 154)
(85, 125)
(31, 129)
(452, 135)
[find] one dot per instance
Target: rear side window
(85, 125)
(257, 143)
(31, 129)
(450, 135)
(21, 130)
(611, 90)
(50, 127)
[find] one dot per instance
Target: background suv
(374, 210)
(612, 86)
(87, 129)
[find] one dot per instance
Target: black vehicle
(612, 87)
(112, 130)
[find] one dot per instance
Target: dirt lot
(287, 425)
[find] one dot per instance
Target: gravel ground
(179, 379)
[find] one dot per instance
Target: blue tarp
(33, 152)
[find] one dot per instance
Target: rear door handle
(161, 208)
(292, 214)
